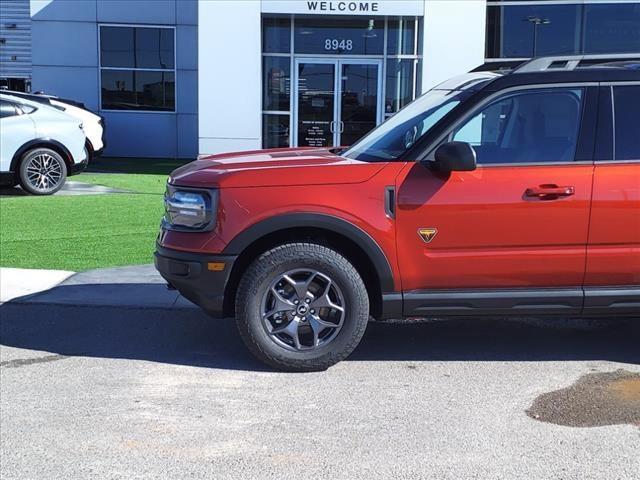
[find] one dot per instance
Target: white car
(39, 145)
(92, 124)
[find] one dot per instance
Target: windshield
(398, 134)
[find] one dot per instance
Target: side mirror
(454, 157)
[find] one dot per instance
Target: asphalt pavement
(98, 392)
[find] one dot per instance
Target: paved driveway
(100, 392)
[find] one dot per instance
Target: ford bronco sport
(493, 194)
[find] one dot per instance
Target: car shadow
(187, 336)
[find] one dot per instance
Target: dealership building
(174, 78)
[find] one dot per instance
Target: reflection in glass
(116, 47)
(137, 47)
(138, 90)
(276, 84)
(339, 36)
(276, 35)
(275, 131)
(612, 28)
(522, 31)
(401, 36)
(359, 102)
(627, 100)
(315, 104)
(399, 84)
(154, 48)
(533, 126)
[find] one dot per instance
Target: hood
(273, 168)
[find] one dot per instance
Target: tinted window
(401, 36)
(627, 105)
(276, 35)
(612, 28)
(276, 85)
(137, 68)
(136, 47)
(135, 90)
(7, 109)
(275, 131)
(352, 36)
(522, 31)
(532, 126)
(399, 84)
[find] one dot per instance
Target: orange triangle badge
(427, 234)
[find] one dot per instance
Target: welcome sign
(345, 7)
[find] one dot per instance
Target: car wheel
(42, 171)
(301, 307)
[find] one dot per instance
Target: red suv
(496, 195)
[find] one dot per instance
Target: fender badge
(427, 234)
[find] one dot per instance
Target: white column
(453, 40)
(229, 76)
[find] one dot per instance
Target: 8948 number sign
(336, 44)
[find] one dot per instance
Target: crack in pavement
(23, 362)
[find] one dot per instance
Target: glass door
(315, 111)
(336, 101)
(360, 98)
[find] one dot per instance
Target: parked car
(39, 145)
(498, 195)
(92, 124)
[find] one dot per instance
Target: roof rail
(568, 62)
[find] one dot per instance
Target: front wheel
(302, 307)
(42, 171)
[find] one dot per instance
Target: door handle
(341, 126)
(550, 191)
(331, 127)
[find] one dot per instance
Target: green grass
(83, 232)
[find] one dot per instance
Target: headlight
(189, 209)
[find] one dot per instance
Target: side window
(7, 109)
(526, 127)
(625, 102)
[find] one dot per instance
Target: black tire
(54, 159)
(257, 280)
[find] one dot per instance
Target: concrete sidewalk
(137, 286)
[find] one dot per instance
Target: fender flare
(44, 142)
(320, 221)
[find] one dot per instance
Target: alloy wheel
(303, 310)
(44, 172)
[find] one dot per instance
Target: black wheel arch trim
(43, 142)
(320, 221)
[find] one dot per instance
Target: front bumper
(194, 276)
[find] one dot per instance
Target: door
(612, 281)
(359, 100)
(17, 129)
(498, 238)
(337, 101)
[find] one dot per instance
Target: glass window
(276, 35)
(137, 68)
(522, 31)
(398, 134)
(276, 84)
(612, 28)
(138, 90)
(532, 126)
(401, 36)
(7, 109)
(399, 84)
(275, 131)
(626, 105)
(131, 47)
(339, 36)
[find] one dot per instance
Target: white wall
(454, 39)
(229, 59)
